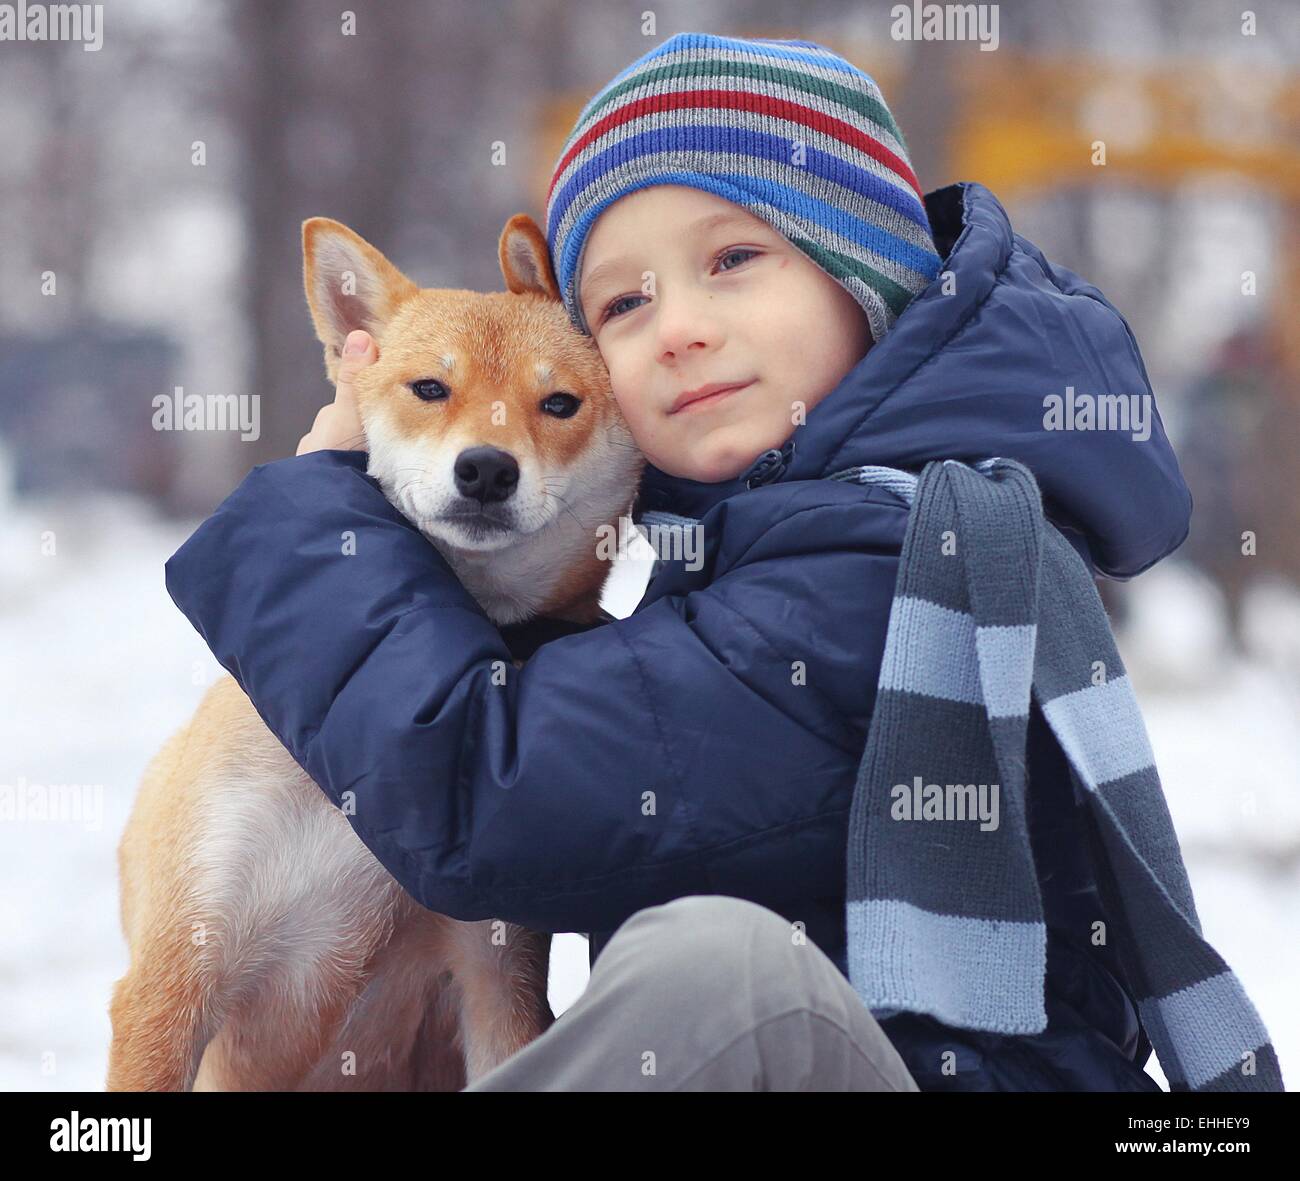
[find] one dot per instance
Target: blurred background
(152, 192)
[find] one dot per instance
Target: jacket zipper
(770, 466)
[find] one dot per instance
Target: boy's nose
(486, 474)
(684, 336)
(686, 322)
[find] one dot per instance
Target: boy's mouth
(707, 395)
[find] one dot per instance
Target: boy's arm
(677, 751)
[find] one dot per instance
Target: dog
(269, 949)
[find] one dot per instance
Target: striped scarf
(944, 914)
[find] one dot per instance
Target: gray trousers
(709, 993)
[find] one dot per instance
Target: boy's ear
(349, 285)
(526, 259)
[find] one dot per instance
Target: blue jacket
(525, 801)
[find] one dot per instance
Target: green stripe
(855, 100)
(895, 296)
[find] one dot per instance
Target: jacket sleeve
(681, 750)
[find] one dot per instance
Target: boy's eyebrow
(706, 224)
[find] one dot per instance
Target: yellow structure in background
(1029, 122)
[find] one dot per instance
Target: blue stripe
(1101, 729)
(874, 237)
(1209, 1026)
(966, 972)
(1006, 655)
(930, 650)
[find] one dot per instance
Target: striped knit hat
(788, 130)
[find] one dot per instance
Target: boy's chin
(714, 468)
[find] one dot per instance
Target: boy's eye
(737, 250)
(611, 309)
(561, 405)
(429, 389)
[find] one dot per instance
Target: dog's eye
(561, 405)
(429, 389)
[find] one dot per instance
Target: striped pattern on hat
(788, 130)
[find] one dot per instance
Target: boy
(737, 225)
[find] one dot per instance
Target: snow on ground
(101, 667)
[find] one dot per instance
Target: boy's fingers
(358, 352)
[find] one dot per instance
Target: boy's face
(730, 302)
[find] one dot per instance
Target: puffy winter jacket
(525, 801)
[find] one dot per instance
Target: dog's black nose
(486, 473)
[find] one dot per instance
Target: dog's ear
(526, 259)
(349, 285)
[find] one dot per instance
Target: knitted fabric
(788, 130)
(944, 909)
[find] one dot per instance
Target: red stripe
(743, 101)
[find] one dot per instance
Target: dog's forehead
(496, 336)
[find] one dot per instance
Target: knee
(707, 931)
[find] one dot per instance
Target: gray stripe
(894, 832)
(1000, 521)
(879, 314)
(1269, 1077)
(1138, 816)
(1067, 596)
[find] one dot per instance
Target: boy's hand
(338, 425)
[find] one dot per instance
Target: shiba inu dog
(268, 946)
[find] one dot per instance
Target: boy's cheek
(624, 383)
